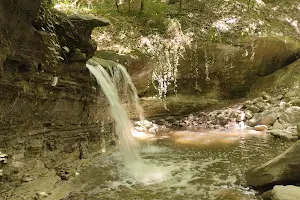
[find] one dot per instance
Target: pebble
(260, 128)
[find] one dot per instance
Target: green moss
(282, 81)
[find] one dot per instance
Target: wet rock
(283, 105)
(269, 117)
(231, 194)
(288, 134)
(277, 125)
(248, 114)
(283, 169)
(255, 120)
(170, 119)
(290, 116)
(260, 128)
(258, 100)
(253, 109)
(280, 192)
(247, 104)
(241, 117)
(262, 106)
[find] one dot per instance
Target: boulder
(283, 169)
(277, 125)
(279, 82)
(229, 74)
(253, 109)
(262, 106)
(269, 117)
(290, 116)
(287, 134)
(280, 192)
(247, 104)
(255, 120)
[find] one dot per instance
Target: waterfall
(119, 78)
(123, 125)
(123, 82)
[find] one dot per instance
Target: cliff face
(49, 102)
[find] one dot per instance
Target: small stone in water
(42, 194)
(260, 128)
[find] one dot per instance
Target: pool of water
(182, 165)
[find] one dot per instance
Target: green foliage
(214, 37)
(153, 15)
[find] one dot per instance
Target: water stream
(173, 164)
(201, 165)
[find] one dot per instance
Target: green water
(185, 165)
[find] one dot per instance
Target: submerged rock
(231, 194)
(283, 169)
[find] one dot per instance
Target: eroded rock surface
(51, 108)
(283, 169)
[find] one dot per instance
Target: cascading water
(123, 125)
(123, 82)
(128, 146)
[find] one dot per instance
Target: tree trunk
(129, 2)
(180, 6)
(142, 6)
(117, 5)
